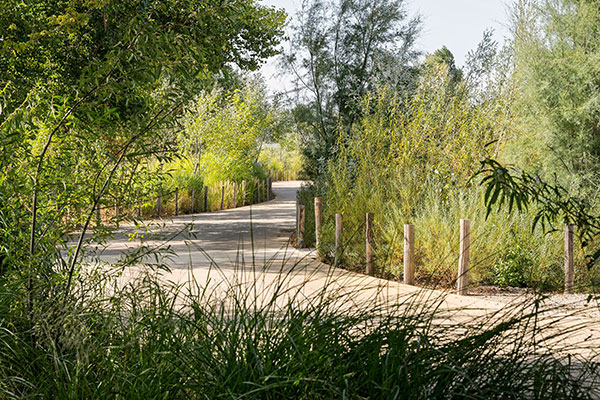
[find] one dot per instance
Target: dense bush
(413, 162)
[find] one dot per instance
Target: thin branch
(157, 118)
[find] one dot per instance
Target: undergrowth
(414, 163)
(270, 337)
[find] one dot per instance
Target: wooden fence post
(318, 219)
(409, 254)
(301, 227)
(234, 194)
(176, 201)
(369, 244)
(98, 217)
(569, 259)
(205, 198)
(243, 193)
(159, 204)
(192, 201)
(464, 257)
(339, 224)
(222, 196)
(258, 191)
(297, 217)
(268, 189)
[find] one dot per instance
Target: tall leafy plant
(340, 50)
(90, 91)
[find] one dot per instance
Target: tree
(340, 51)
(226, 131)
(90, 89)
(440, 65)
(557, 49)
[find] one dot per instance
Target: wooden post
(116, 210)
(339, 224)
(222, 195)
(257, 191)
(243, 193)
(464, 257)
(369, 244)
(265, 190)
(192, 201)
(176, 201)
(301, 227)
(159, 204)
(318, 218)
(268, 189)
(297, 216)
(569, 259)
(234, 194)
(98, 218)
(205, 198)
(409, 254)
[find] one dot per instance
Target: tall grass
(412, 163)
(270, 339)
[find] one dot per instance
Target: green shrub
(407, 164)
(513, 269)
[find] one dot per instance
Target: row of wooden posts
(464, 259)
(283, 175)
(263, 193)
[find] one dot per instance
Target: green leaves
(556, 69)
(226, 132)
(508, 187)
(90, 94)
(501, 187)
(340, 50)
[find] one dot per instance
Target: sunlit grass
(246, 335)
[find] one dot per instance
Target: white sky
(456, 24)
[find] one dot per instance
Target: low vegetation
(418, 153)
(230, 342)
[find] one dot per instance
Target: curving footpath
(248, 247)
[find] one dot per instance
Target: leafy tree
(226, 131)
(557, 49)
(442, 62)
(90, 90)
(340, 51)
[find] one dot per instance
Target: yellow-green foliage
(226, 133)
(413, 162)
(279, 158)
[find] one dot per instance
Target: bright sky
(456, 24)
